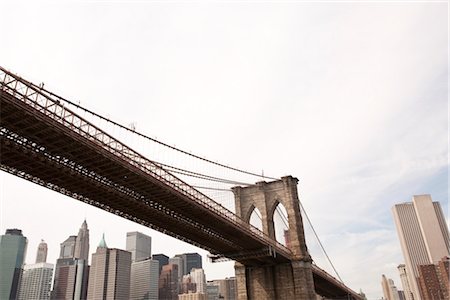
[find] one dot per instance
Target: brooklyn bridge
(46, 142)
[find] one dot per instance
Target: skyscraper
(405, 283)
(41, 255)
(168, 282)
(144, 280)
(36, 281)
(72, 269)
(81, 250)
(140, 245)
(190, 260)
(13, 247)
(389, 290)
(144, 270)
(162, 259)
(68, 247)
(198, 277)
(178, 260)
(423, 235)
(109, 276)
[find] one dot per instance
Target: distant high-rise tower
(405, 283)
(36, 281)
(68, 247)
(109, 276)
(178, 260)
(144, 280)
(389, 290)
(198, 277)
(140, 245)
(168, 282)
(190, 261)
(41, 256)
(162, 259)
(423, 235)
(81, 250)
(13, 247)
(72, 269)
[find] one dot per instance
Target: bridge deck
(48, 144)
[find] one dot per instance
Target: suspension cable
(320, 243)
(148, 137)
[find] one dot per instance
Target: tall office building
(72, 269)
(144, 280)
(140, 246)
(168, 282)
(162, 259)
(198, 277)
(36, 281)
(13, 247)
(68, 247)
(109, 276)
(178, 260)
(41, 255)
(423, 235)
(190, 261)
(389, 290)
(405, 283)
(81, 250)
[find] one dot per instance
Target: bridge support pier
(277, 282)
(290, 280)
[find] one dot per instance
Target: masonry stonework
(292, 280)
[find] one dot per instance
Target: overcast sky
(349, 97)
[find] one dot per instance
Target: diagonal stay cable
(320, 243)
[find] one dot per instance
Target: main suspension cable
(148, 137)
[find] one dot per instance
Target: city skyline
(350, 98)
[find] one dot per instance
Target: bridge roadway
(48, 144)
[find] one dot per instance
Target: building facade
(389, 289)
(423, 235)
(13, 247)
(36, 281)
(198, 277)
(140, 246)
(162, 259)
(227, 288)
(434, 280)
(109, 276)
(72, 268)
(168, 282)
(404, 278)
(178, 260)
(144, 280)
(190, 261)
(68, 247)
(81, 250)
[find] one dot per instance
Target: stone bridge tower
(292, 280)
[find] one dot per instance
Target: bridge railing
(50, 105)
(334, 280)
